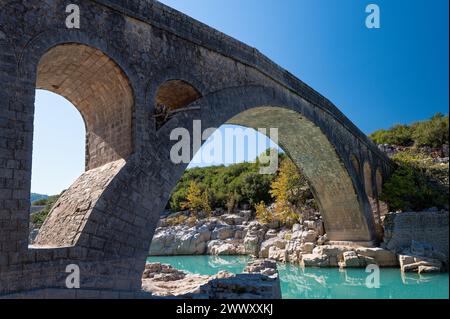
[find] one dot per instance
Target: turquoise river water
(325, 283)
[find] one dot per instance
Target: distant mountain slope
(35, 197)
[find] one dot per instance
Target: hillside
(421, 152)
(35, 196)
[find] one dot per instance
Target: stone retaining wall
(424, 227)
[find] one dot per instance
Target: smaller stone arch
(379, 181)
(101, 92)
(367, 170)
(355, 163)
(99, 89)
(171, 97)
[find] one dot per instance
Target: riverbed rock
(316, 225)
(382, 257)
(260, 280)
(272, 242)
(315, 260)
(180, 240)
(277, 254)
(223, 232)
(162, 272)
(233, 219)
(271, 233)
(322, 240)
(261, 266)
(218, 247)
(293, 251)
(351, 260)
(334, 253)
(307, 248)
(410, 263)
(309, 236)
(246, 214)
(253, 238)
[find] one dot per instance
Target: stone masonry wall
(425, 227)
(71, 212)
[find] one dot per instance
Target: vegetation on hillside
(37, 219)
(413, 185)
(225, 186)
(433, 133)
(35, 196)
(418, 181)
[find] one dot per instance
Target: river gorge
(324, 283)
(410, 263)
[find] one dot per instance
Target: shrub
(396, 135)
(433, 133)
(175, 221)
(263, 215)
(410, 186)
(38, 218)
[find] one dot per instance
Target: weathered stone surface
(382, 257)
(259, 281)
(351, 259)
(218, 247)
(180, 240)
(411, 263)
(315, 260)
(267, 244)
(426, 232)
(309, 236)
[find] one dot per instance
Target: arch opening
(227, 171)
(316, 158)
(99, 89)
(372, 196)
(173, 96)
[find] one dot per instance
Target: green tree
(433, 132)
(410, 186)
(38, 218)
(397, 135)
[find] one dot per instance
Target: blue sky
(376, 77)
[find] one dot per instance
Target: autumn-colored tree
(206, 203)
(263, 215)
(193, 198)
(197, 200)
(287, 190)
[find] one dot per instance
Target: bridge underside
(313, 154)
(117, 69)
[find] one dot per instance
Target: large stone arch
(307, 139)
(101, 92)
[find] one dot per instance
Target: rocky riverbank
(306, 243)
(259, 281)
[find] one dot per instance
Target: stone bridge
(128, 57)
